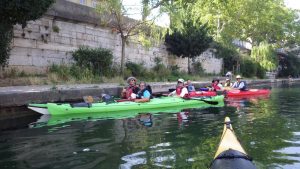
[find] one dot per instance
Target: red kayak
(250, 92)
(201, 93)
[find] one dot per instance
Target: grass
(62, 74)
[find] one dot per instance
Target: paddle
(202, 99)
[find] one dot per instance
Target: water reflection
(183, 119)
(159, 155)
(145, 119)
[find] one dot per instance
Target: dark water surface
(269, 130)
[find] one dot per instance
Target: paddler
(216, 86)
(131, 90)
(144, 95)
(239, 84)
(181, 89)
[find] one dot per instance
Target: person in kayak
(227, 83)
(190, 87)
(216, 86)
(241, 85)
(144, 95)
(181, 90)
(131, 90)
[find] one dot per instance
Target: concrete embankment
(22, 95)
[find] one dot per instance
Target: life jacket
(141, 92)
(238, 84)
(216, 87)
(179, 89)
(227, 84)
(245, 85)
(130, 90)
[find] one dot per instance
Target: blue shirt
(146, 94)
(191, 88)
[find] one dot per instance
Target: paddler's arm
(172, 93)
(184, 92)
(142, 100)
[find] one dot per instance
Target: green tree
(17, 12)
(253, 21)
(126, 27)
(189, 42)
(265, 55)
(289, 65)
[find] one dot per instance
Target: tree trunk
(123, 55)
(189, 67)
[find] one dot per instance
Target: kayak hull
(156, 103)
(250, 92)
(230, 153)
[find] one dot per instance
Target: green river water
(269, 130)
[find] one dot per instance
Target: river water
(269, 130)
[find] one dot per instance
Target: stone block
(90, 30)
(62, 40)
(20, 42)
(54, 46)
(90, 38)
(80, 28)
(18, 33)
(33, 35)
(19, 60)
(32, 28)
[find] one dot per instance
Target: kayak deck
(230, 153)
(156, 103)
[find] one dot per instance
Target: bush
(137, 70)
(248, 68)
(97, 60)
(160, 69)
(197, 68)
(62, 71)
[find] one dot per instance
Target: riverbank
(22, 95)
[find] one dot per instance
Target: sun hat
(180, 80)
(238, 77)
(130, 78)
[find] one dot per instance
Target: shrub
(62, 71)
(197, 68)
(248, 68)
(97, 60)
(137, 70)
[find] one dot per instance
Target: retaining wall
(67, 25)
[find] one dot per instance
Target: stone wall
(66, 26)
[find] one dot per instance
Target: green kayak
(156, 103)
(49, 120)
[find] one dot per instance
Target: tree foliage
(17, 12)
(289, 65)
(253, 21)
(265, 55)
(189, 42)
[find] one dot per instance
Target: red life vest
(129, 91)
(179, 89)
(216, 87)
